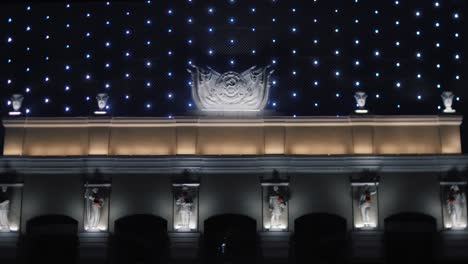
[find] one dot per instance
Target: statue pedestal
(367, 246)
(8, 247)
(184, 246)
(94, 247)
(14, 113)
(455, 245)
(275, 245)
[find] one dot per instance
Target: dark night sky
(404, 54)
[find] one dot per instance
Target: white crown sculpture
(231, 91)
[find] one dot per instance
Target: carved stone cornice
(233, 164)
(319, 121)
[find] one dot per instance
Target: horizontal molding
(453, 183)
(186, 184)
(11, 184)
(318, 121)
(274, 184)
(364, 183)
(232, 164)
(90, 185)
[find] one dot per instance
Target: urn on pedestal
(447, 98)
(16, 102)
(102, 99)
(360, 102)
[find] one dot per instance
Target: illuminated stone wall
(232, 193)
(248, 136)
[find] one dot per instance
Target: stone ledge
(94, 246)
(455, 245)
(8, 247)
(367, 246)
(275, 245)
(184, 245)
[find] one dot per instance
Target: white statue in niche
(230, 91)
(456, 201)
(365, 206)
(360, 102)
(94, 203)
(4, 210)
(185, 203)
(17, 101)
(276, 204)
(447, 98)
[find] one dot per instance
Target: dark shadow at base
(410, 238)
(320, 238)
(51, 239)
(140, 238)
(230, 238)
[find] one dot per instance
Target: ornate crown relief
(230, 91)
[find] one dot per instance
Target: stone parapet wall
(370, 135)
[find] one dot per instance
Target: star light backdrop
(403, 53)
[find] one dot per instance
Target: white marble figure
(230, 91)
(4, 210)
(185, 203)
(456, 201)
(276, 206)
(94, 203)
(102, 99)
(447, 98)
(360, 102)
(365, 206)
(17, 101)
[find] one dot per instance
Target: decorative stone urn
(447, 98)
(16, 102)
(360, 102)
(102, 99)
